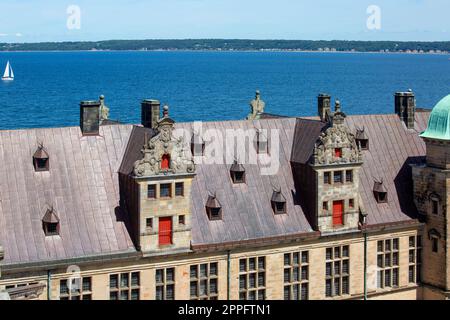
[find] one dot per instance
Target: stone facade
(431, 189)
(336, 161)
(274, 270)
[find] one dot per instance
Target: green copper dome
(439, 122)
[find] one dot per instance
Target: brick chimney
(150, 111)
(405, 107)
(90, 117)
(324, 106)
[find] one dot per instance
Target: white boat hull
(7, 79)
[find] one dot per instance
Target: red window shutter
(338, 153)
(165, 162)
(165, 231)
(338, 213)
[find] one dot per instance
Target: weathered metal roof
(50, 216)
(82, 185)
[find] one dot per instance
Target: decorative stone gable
(164, 153)
(336, 161)
(337, 145)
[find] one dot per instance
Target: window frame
(149, 187)
(293, 288)
(165, 283)
(177, 185)
(388, 251)
(161, 196)
(128, 289)
(75, 294)
(197, 280)
(252, 274)
(337, 274)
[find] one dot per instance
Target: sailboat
(9, 73)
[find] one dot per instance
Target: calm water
(211, 85)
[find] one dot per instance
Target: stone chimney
(150, 111)
(89, 117)
(324, 106)
(405, 107)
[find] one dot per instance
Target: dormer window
(165, 162)
(278, 202)
(213, 208)
(380, 192)
(362, 139)
(237, 172)
(338, 152)
(434, 204)
(50, 223)
(197, 146)
(41, 159)
(434, 237)
(262, 146)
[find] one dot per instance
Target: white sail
(6, 74)
(9, 73)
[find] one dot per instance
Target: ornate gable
(336, 145)
(164, 153)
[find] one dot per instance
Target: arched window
(165, 162)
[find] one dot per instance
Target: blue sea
(48, 86)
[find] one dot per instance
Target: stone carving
(257, 106)
(336, 137)
(164, 154)
(104, 110)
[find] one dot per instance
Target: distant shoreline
(229, 51)
(235, 45)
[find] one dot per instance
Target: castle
(356, 208)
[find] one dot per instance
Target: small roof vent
(362, 139)
(262, 145)
(278, 202)
(237, 172)
(50, 222)
(380, 191)
(213, 208)
(197, 145)
(41, 159)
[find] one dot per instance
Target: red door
(165, 162)
(165, 231)
(338, 213)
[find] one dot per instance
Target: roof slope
(246, 208)
(392, 148)
(81, 185)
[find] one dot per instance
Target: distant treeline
(238, 45)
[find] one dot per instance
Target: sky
(57, 20)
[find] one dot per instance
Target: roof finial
(166, 111)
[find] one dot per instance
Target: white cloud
(18, 34)
(3, 34)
